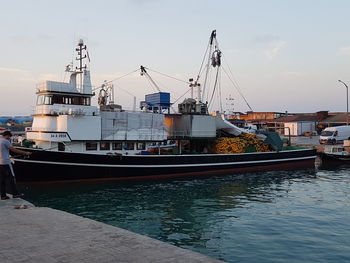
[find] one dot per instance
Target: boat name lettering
(58, 135)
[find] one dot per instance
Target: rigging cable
(201, 67)
(233, 77)
(168, 76)
(182, 96)
(219, 93)
(126, 91)
(118, 78)
(207, 72)
(215, 86)
(238, 90)
(155, 89)
(210, 77)
(212, 42)
(160, 84)
(236, 83)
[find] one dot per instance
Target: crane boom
(145, 73)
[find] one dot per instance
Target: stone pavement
(45, 235)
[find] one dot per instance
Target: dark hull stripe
(156, 160)
(56, 166)
(306, 164)
(163, 165)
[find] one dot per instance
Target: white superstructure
(65, 120)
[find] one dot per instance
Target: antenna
(80, 57)
(80, 69)
(194, 85)
(230, 104)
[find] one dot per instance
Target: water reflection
(177, 211)
(231, 217)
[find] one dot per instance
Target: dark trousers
(7, 178)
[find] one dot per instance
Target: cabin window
(44, 99)
(91, 146)
(40, 100)
(141, 146)
(67, 100)
(86, 101)
(117, 146)
(56, 99)
(63, 99)
(105, 146)
(61, 147)
(48, 100)
(129, 146)
(76, 101)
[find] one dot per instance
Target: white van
(333, 135)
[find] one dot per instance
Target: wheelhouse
(63, 98)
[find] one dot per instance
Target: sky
(286, 55)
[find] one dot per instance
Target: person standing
(6, 170)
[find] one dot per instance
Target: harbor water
(299, 216)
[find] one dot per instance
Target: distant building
(260, 119)
(336, 119)
(296, 124)
(299, 123)
(333, 119)
(254, 116)
(15, 124)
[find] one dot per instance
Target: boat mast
(211, 41)
(80, 58)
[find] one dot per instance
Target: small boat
(335, 154)
(70, 139)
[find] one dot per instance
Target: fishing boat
(336, 154)
(70, 139)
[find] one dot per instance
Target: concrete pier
(40, 234)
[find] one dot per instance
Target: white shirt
(5, 146)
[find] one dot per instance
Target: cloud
(344, 51)
(265, 38)
(13, 70)
(274, 49)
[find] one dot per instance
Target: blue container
(160, 98)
